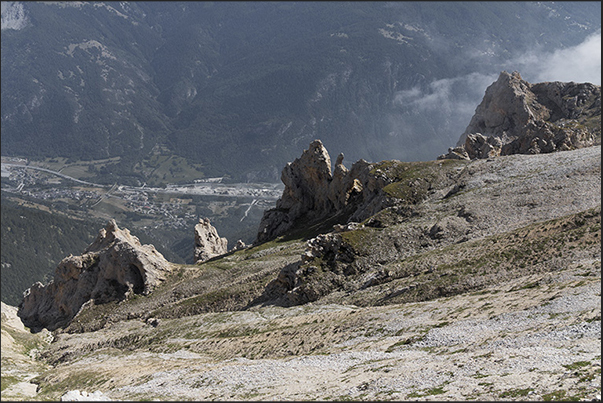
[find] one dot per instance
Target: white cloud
(13, 15)
(457, 95)
(432, 118)
(581, 63)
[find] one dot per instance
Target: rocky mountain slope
(501, 301)
(240, 88)
(449, 279)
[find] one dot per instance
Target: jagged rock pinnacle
(313, 192)
(208, 243)
(115, 266)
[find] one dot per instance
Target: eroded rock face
(115, 266)
(312, 191)
(208, 243)
(516, 117)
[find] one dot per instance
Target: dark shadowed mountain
(243, 87)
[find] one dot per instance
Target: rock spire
(313, 192)
(208, 243)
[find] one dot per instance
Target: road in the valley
(263, 191)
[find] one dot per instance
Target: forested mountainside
(33, 243)
(239, 88)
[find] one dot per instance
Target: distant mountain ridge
(242, 87)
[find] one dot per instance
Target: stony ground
(517, 342)
(19, 356)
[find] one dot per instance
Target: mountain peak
(516, 117)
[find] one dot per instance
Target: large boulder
(115, 266)
(208, 243)
(516, 117)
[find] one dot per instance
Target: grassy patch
(487, 355)
(577, 364)
(360, 240)
(80, 380)
(439, 390)
(411, 181)
(557, 395)
(515, 393)
(8, 381)
(533, 284)
(398, 344)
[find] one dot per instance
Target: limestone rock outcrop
(208, 243)
(312, 191)
(115, 266)
(516, 117)
(240, 245)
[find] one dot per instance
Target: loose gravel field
(513, 343)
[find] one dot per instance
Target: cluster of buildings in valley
(267, 191)
(178, 211)
(60, 193)
(20, 176)
(170, 206)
